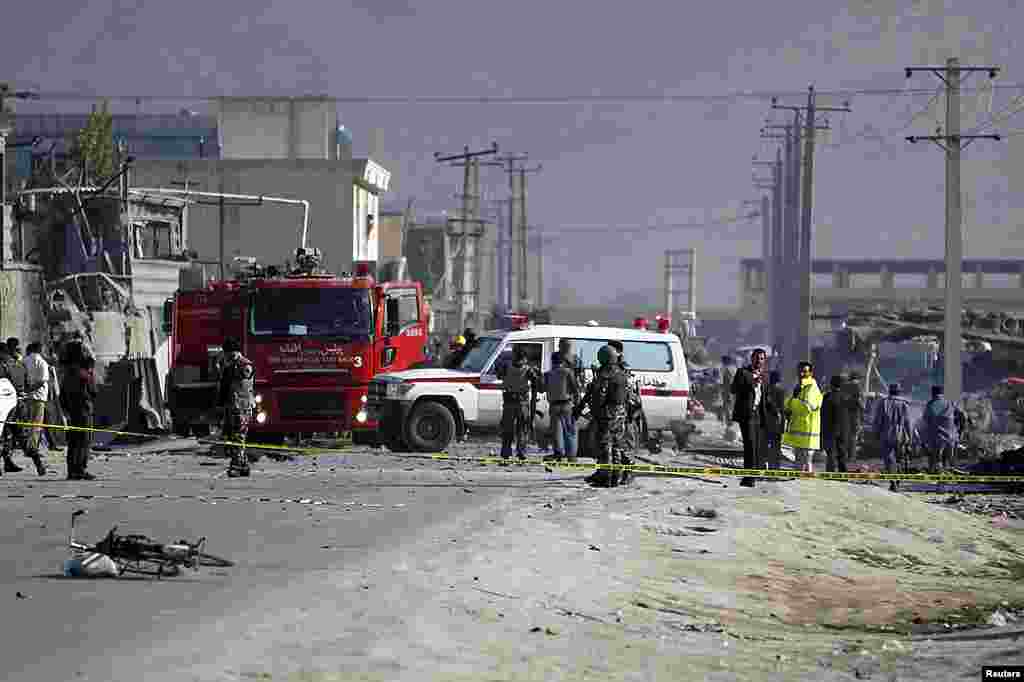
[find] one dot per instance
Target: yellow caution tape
(661, 469)
(755, 473)
(347, 437)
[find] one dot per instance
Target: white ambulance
(424, 410)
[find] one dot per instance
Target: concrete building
(254, 128)
(392, 225)
(343, 212)
(283, 147)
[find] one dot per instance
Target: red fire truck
(315, 340)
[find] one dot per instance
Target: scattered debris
(1010, 506)
(998, 619)
(548, 630)
(22, 595)
(595, 548)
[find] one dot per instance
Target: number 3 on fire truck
(357, 361)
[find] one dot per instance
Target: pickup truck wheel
(431, 427)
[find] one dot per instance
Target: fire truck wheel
(431, 427)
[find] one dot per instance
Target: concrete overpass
(838, 285)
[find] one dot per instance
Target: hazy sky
(618, 163)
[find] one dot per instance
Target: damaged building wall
(269, 232)
(21, 303)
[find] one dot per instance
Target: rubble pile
(999, 506)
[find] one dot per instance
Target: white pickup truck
(424, 410)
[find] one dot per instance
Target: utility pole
(786, 177)
(524, 288)
(803, 336)
(507, 242)
(517, 271)
(675, 265)
(768, 247)
(953, 143)
(471, 228)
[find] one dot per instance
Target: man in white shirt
(37, 395)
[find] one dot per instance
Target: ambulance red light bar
(640, 323)
(664, 323)
(518, 321)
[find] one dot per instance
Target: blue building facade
(146, 136)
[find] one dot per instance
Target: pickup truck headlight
(398, 390)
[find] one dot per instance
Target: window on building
(154, 239)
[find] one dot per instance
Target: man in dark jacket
(893, 430)
(78, 397)
(941, 433)
(747, 391)
(774, 419)
(563, 394)
(519, 382)
(836, 426)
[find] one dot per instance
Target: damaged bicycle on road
(115, 555)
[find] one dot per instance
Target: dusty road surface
(424, 570)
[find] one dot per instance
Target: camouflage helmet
(606, 355)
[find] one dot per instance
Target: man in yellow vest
(803, 410)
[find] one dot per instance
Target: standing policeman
(634, 412)
(238, 400)
(520, 381)
(606, 397)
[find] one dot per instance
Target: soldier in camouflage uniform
(606, 397)
(520, 381)
(238, 400)
(634, 414)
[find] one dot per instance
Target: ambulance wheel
(431, 427)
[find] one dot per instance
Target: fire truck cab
(315, 340)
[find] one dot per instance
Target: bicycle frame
(140, 554)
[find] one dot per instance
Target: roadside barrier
(655, 469)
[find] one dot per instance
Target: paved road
(271, 525)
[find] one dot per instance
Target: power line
(1013, 107)
(523, 99)
(557, 233)
(868, 133)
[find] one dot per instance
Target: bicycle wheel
(213, 561)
